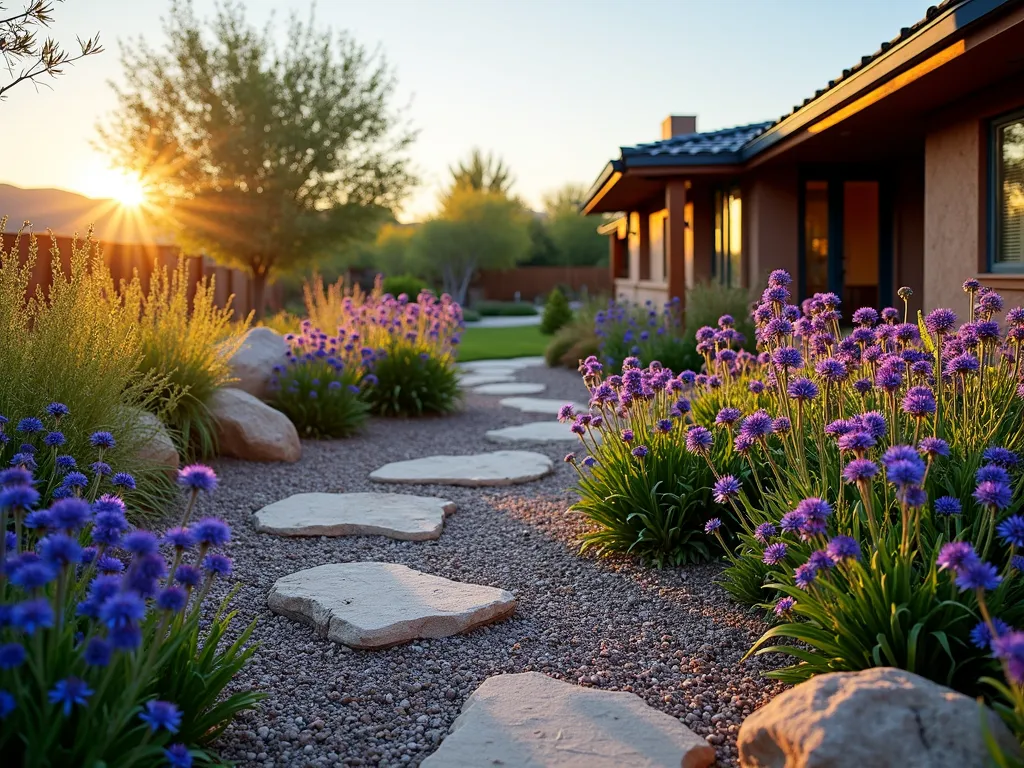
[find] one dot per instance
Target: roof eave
(610, 169)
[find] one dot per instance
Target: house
(907, 169)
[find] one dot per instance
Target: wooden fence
(537, 282)
(124, 259)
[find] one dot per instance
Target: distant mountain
(68, 213)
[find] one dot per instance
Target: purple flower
(30, 615)
(843, 548)
(69, 692)
(993, 494)
(978, 575)
(919, 402)
(712, 525)
(161, 714)
(764, 532)
(172, 599)
(566, 412)
(802, 389)
(197, 477)
(859, 470)
(140, 543)
(1010, 648)
(804, 575)
(787, 357)
(933, 446)
(1000, 456)
(728, 416)
(757, 425)
(216, 564)
(774, 553)
(756, 387)
(857, 441)
(821, 560)
(627, 435)
(102, 440)
(963, 364)
(725, 488)
(956, 555)
(699, 440)
(947, 505)
(180, 538)
(54, 439)
(640, 451)
(992, 473)
(784, 606)
(792, 522)
(781, 425)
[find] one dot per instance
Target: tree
(475, 230)
(574, 236)
(264, 157)
(481, 173)
(22, 51)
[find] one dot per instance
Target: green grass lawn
(501, 343)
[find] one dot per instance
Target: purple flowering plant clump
(101, 656)
(870, 449)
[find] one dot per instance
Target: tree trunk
(463, 288)
(259, 293)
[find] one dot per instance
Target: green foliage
(475, 230)
(396, 285)
(504, 309)
(576, 340)
(248, 140)
(471, 315)
(707, 302)
(187, 344)
(575, 236)
(557, 312)
(75, 345)
(162, 654)
(480, 173)
(410, 382)
(629, 330)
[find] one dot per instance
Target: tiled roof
(713, 146)
(905, 32)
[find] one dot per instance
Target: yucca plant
(188, 342)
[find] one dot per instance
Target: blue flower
(993, 494)
(57, 410)
(947, 505)
(992, 473)
(178, 756)
(75, 480)
(102, 440)
(69, 692)
(30, 615)
(172, 599)
(956, 555)
(140, 543)
(212, 531)
(11, 655)
(981, 635)
(804, 575)
(843, 548)
(859, 470)
(188, 575)
(109, 564)
(19, 497)
(161, 714)
(126, 638)
(1010, 648)
(7, 704)
(180, 538)
(123, 480)
(640, 451)
(30, 425)
(33, 575)
(1000, 456)
(712, 525)
(933, 446)
(122, 610)
(1011, 531)
(102, 469)
(978, 575)
(60, 550)
(97, 652)
(16, 476)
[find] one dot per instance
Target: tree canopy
(480, 173)
(265, 157)
(575, 238)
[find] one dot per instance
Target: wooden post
(675, 238)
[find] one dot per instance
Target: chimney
(678, 125)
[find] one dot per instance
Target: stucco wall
(770, 225)
(639, 291)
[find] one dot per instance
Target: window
(1008, 195)
(727, 264)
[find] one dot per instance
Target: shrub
(396, 285)
(320, 385)
(470, 315)
(706, 303)
(576, 340)
(557, 313)
(628, 330)
(644, 493)
(74, 344)
(885, 459)
(504, 308)
(104, 661)
(188, 344)
(409, 382)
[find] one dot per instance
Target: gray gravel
(670, 636)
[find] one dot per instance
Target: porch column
(675, 238)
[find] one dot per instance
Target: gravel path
(670, 636)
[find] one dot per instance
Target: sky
(552, 86)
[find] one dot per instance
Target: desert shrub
(410, 285)
(406, 346)
(504, 308)
(320, 385)
(284, 322)
(104, 661)
(75, 344)
(188, 344)
(629, 330)
(642, 491)
(557, 313)
(887, 463)
(563, 341)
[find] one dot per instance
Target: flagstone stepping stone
(396, 515)
(476, 379)
(534, 432)
(540, 405)
(494, 468)
(530, 720)
(517, 363)
(377, 605)
(511, 388)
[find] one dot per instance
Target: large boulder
(529, 720)
(878, 717)
(248, 428)
(253, 364)
(157, 447)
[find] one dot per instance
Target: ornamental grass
(102, 661)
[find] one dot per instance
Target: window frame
(995, 202)
(722, 271)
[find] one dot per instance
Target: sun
(125, 189)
